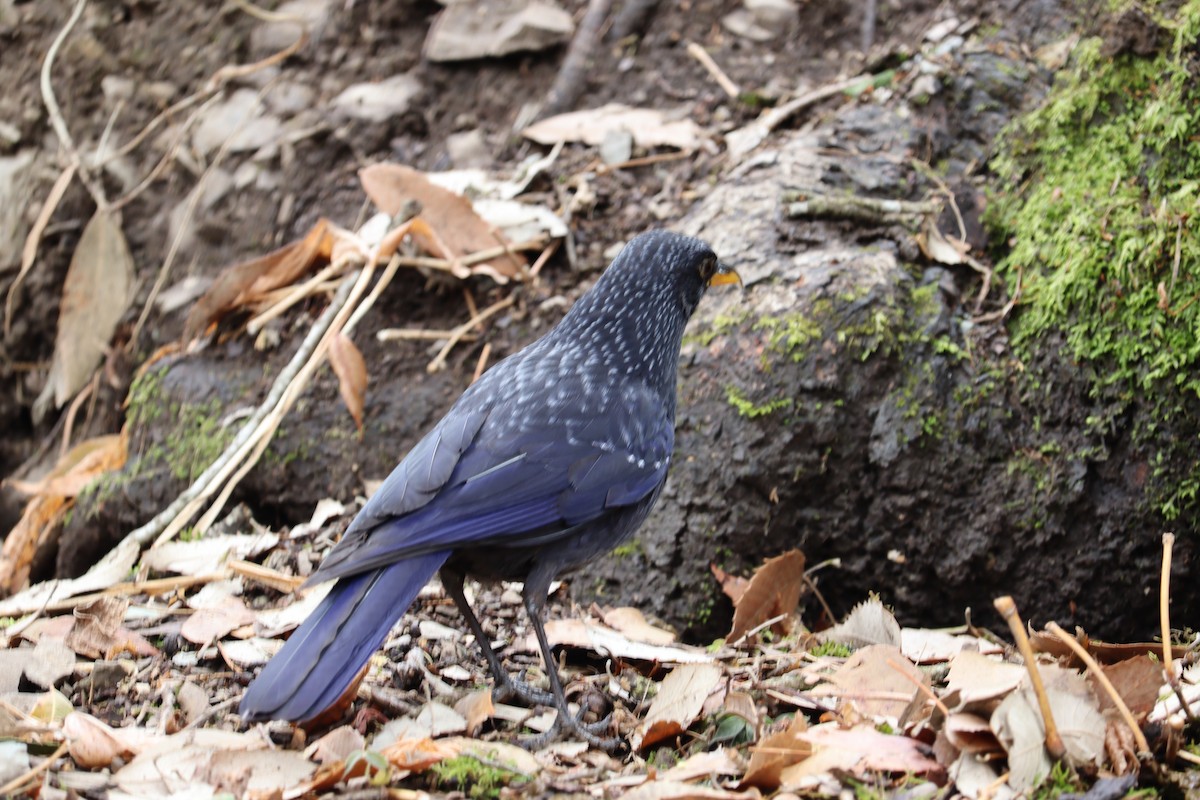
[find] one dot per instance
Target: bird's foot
(511, 689)
(565, 725)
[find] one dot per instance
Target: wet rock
(274, 35)
(17, 185)
(488, 28)
(241, 120)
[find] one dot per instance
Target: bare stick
(419, 334)
(748, 137)
(1164, 612)
(10, 789)
(710, 66)
(644, 161)
(29, 251)
(573, 74)
(867, 209)
(439, 361)
(55, 113)
(481, 365)
(1008, 609)
(550, 250)
(294, 294)
(1098, 673)
(922, 688)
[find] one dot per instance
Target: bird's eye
(708, 268)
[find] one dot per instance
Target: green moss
(791, 335)
(833, 649)
(470, 775)
(1097, 196)
(633, 547)
(748, 409)
(721, 324)
(196, 440)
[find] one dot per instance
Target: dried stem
(439, 361)
(1086, 657)
(1008, 609)
(1164, 612)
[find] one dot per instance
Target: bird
(550, 459)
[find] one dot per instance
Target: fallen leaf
(774, 589)
(193, 701)
(871, 674)
(351, 370)
(734, 586)
(337, 745)
(51, 706)
(975, 778)
(649, 127)
(939, 247)
(632, 623)
(978, 678)
(926, 646)
(868, 623)
(112, 568)
(722, 761)
(677, 790)
(680, 697)
(50, 660)
(214, 622)
(1139, 682)
(96, 292)
(607, 642)
(451, 219)
(94, 745)
(1018, 726)
(207, 554)
(776, 752)
(255, 773)
(476, 708)
(240, 284)
(432, 721)
(861, 750)
(174, 763)
(98, 631)
(970, 733)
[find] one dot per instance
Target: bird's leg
(535, 595)
(506, 686)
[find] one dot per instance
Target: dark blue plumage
(550, 459)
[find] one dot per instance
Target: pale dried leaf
(677, 790)
(722, 761)
(351, 370)
(680, 697)
(508, 756)
(1080, 724)
(874, 672)
(99, 632)
(247, 653)
(939, 247)
(82, 464)
(96, 292)
(93, 744)
(869, 623)
(649, 127)
(51, 706)
(12, 666)
(970, 733)
(50, 660)
(337, 745)
(262, 773)
(607, 642)
(169, 764)
(193, 701)
(214, 622)
(774, 589)
(861, 750)
(974, 777)
(927, 646)
(734, 586)
(208, 554)
(632, 623)
(109, 570)
(978, 678)
(1018, 726)
(325, 510)
(476, 708)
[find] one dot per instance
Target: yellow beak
(725, 275)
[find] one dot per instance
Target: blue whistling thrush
(552, 458)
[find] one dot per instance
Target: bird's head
(661, 266)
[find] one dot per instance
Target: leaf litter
(765, 714)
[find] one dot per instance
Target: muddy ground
(936, 524)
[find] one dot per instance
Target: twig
(10, 789)
(213, 711)
(1164, 612)
(294, 294)
(73, 409)
(545, 256)
(758, 629)
(153, 587)
(632, 17)
(419, 334)
(866, 209)
(55, 113)
(700, 54)
(154, 527)
(29, 251)
(1098, 673)
(644, 161)
(812, 585)
(389, 272)
(1008, 307)
(481, 365)
(746, 138)
(1008, 609)
(571, 77)
(439, 361)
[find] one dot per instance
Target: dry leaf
(632, 623)
(604, 641)
(99, 632)
(978, 678)
(1018, 726)
(212, 623)
(680, 697)
(773, 590)
(93, 744)
(722, 761)
(351, 370)
(773, 754)
(649, 127)
(677, 790)
(96, 292)
(337, 745)
(454, 229)
(868, 623)
(242, 284)
(50, 660)
(939, 247)
(860, 749)
(926, 646)
(476, 708)
(734, 586)
(970, 733)
(871, 674)
(1138, 680)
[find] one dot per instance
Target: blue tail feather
(322, 658)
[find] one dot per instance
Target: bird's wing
(528, 482)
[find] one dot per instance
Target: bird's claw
(588, 732)
(511, 688)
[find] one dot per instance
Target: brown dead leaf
(970, 733)
(417, 755)
(476, 708)
(605, 641)
(861, 750)
(214, 622)
(978, 678)
(722, 761)
(773, 590)
(96, 292)
(632, 623)
(241, 284)
(1138, 680)
(94, 745)
(734, 586)
(649, 127)
(1104, 652)
(879, 680)
(351, 370)
(43, 514)
(454, 228)
(941, 247)
(99, 631)
(680, 697)
(337, 745)
(776, 752)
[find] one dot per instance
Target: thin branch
(439, 361)
(714, 70)
(1008, 609)
(569, 84)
